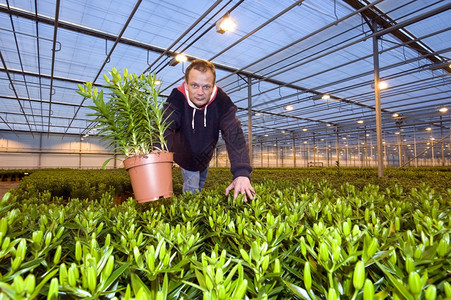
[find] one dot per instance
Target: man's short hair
(201, 66)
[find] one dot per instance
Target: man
(199, 110)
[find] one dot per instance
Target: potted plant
(133, 122)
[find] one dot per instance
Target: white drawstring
(192, 122)
(205, 117)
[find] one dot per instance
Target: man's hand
(241, 185)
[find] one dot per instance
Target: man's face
(200, 86)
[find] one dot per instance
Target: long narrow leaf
(297, 290)
(42, 283)
(396, 283)
(137, 283)
(115, 275)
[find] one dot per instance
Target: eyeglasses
(205, 88)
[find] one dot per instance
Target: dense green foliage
(303, 237)
(438, 178)
(91, 184)
(69, 183)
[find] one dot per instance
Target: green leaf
(137, 284)
(8, 290)
(195, 286)
(297, 290)
(24, 268)
(41, 284)
(115, 275)
(398, 284)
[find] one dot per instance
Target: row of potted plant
(14, 174)
(91, 184)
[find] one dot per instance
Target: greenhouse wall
(43, 150)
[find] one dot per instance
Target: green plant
(310, 239)
(132, 120)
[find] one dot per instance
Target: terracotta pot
(150, 175)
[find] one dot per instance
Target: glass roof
(287, 52)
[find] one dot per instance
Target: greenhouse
(343, 115)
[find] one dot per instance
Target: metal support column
(40, 152)
(337, 147)
(399, 149)
(415, 146)
(442, 142)
(377, 96)
(249, 120)
(365, 149)
(79, 153)
(261, 154)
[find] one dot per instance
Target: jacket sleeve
(235, 143)
(172, 115)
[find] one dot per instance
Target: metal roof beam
(396, 29)
(14, 90)
(55, 33)
(39, 101)
(107, 58)
(111, 37)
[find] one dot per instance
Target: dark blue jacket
(193, 143)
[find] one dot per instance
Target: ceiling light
(289, 107)
(225, 24)
(179, 58)
(304, 129)
(395, 115)
(325, 97)
(428, 129)
(360, 121)
(383, 85)
(443, 109)
(157, 82)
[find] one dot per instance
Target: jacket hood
(183, 88)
